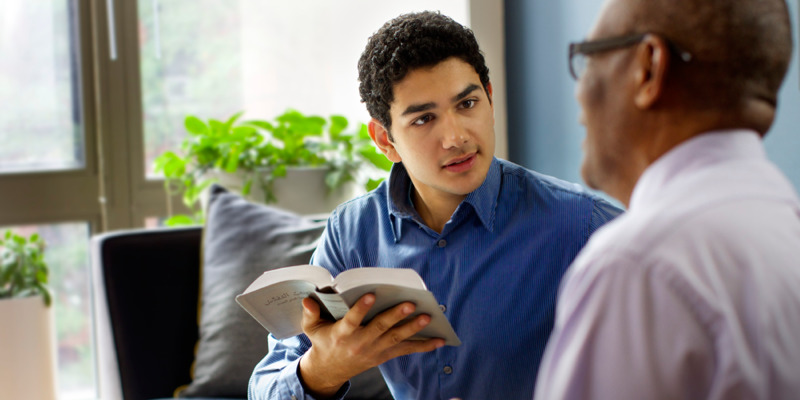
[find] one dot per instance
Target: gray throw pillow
(241, 240)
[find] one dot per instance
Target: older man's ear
(652, 64)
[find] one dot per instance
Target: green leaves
(195, 126)
(338, 125)
(291, 139)
(171, 165)
(23, 271)
(180, 220)
(373, 183)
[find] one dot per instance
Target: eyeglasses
(580, 50)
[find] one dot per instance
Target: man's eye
(469, 103)
(423, 120)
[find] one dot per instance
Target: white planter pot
(27, 349)
(302, 190)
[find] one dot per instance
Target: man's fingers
(400, 333)
(355, 316)
(412, 346)
(386, 320)
(311, 317)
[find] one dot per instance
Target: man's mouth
(461, 164)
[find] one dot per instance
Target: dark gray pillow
(241, 240)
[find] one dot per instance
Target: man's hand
(341, 350)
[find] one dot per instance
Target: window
(40, 87)
(43, 167)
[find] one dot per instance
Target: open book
(275, 298)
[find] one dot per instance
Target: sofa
(167, 322)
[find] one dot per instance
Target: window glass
(66, 255)
(40, 120)
(213, 58)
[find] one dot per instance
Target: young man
(490, 239)
(694, 293)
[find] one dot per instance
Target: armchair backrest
(147, 283)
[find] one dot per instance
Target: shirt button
(442, 307)
(447, 370)
(442, 243)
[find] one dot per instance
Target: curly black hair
(408, 42)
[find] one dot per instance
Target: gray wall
(543, 129)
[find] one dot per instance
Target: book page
(278, 307)
(319, 276)
(375, 275)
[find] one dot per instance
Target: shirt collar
(702, 150)
(483, 200)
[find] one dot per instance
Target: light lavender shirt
(694, 293)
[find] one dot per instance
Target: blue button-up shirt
(495, 268)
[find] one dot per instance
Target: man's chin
(588, 178)
(470, 183)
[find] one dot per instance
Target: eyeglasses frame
(589, 47)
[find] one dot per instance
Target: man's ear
(490, 93)
(652, 58)
(380, 136)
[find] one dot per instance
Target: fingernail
(407, 309)
(368, 300)
(424, 321)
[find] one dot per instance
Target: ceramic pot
(27, 349)
(302, 190)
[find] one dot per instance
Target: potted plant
(28, 336)
(23, 271)
(262, 152)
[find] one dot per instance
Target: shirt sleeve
(276, 377)
(625, 331)
(602, 212)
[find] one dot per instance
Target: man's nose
(453, 130)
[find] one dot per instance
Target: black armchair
(147, 284)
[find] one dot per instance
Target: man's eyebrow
(415, 108)
(464, 93)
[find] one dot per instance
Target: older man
(694, 292)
